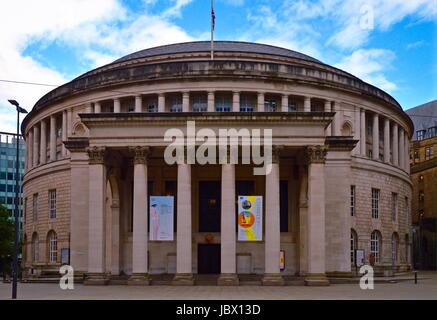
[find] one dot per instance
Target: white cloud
(368, 65)
(416, 44)
(98, 31)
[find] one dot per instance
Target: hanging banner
(161, 218)
(250, 226)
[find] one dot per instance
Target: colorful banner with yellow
(250, 217)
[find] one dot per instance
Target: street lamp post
(16, 216)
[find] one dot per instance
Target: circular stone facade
(95, 150)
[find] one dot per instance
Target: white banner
(250, 218)
(161, 218)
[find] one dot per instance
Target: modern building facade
(339, 179)
(8, 150)
(423, 161)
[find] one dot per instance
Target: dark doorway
(209, 206)
(208, 258)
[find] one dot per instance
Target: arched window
(394, 248)
(354, 245)
(52, 241)
(375, 245)
(35, 247)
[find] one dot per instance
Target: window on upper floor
(375, 245)
(175, 104)
(352, 201)
(35, 207)
(292, 106)
(394, 206)
(223, 104)
(416, 156)
(270, 105)
(375, 203)
(432, 132)
(428, 153)
(421, 134)
(200, 103)
(52, 204)
(247, 103)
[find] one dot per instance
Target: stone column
(64, 132)
(88, 108)
(115, 237)
(395, 139)
(401, 142)
(336, 123)
(138, 103)
(69, 127)
(316, 217)
(117, 106)
(363, 134)
(228, 269)
(375, 137)
(303, 217)
(140, 203)
(407, 153)
(161, 102)
(284, 103)
(30, 148)
(97, 107)
(52, 138)
(235, 101)
(328, 130)
(272, 273)
(185, 102)
(184, 274)
(260, 102)
(386, 140)
(43, 143)
(35, 145)
(307, 104)
(211, 101)
(96, 215)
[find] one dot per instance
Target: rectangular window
(421, 134)
(52, 204)
(223, 104)
(352, 201)
(270, 105)
(416, 156)
(428, 153)
(152, 107)
(247, 103)
(35, 207)
(292, 106)
(375, 203)
(176, 104)
(200, 103)
(394, 206)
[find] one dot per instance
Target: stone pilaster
(211, 101)
(184, 274)
(363, 133)
(272, 274)
(228, 276)
(386, 140)
(117, 106)
(235, 101)
(96, 217)
(316, 217)
(53, 136)
(375, 137)
(43, 143)
(307, 104)
(284, 103)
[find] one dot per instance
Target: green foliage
(6, 239)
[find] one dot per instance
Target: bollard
(415, 277)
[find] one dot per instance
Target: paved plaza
(425, 289)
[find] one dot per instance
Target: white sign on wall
(161, 218)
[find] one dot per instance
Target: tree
(6, 240)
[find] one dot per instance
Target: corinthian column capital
(96, 155)
(140, 154)
(316, 154)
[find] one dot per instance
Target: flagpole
(212, 29)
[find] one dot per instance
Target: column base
(96, 279)
(228, 279)
(272, 279)
(183, 279)
(316, 280)
(139, 279)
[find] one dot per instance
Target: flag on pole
(213, 18)
(212, 29)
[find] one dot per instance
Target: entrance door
(208, 258)
(209, 206)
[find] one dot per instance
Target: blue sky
(389, 43)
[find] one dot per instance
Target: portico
(139, 170)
